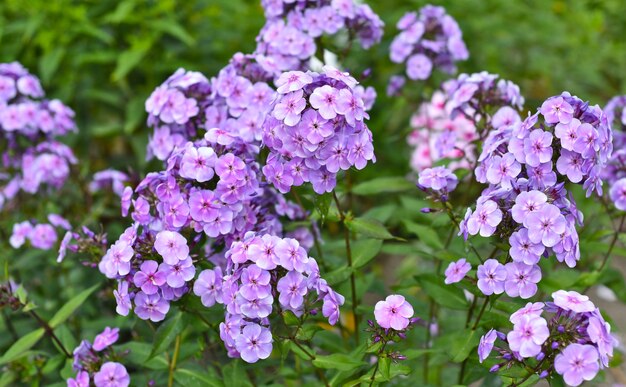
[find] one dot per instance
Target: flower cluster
(436, 136)
(570, 339)
(229, 109)
(316, 128)
(287, 41)
(109, 179)
(41, 236)
(99, 362)
(31, 157)
(428, 41)
(475, 96)
(615, 172)
(264, 272)
(526, 201)
(438, 182)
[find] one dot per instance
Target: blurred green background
(104, 57)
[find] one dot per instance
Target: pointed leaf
(66, 310)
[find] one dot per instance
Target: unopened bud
(495, 368)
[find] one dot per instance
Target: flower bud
(495, 368)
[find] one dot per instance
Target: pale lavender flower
(208, 287)
(521, 279)
(485, 219)
(531, 309)
(528, 335)
(577, 363)
(546, 225)
(106, 338)
(111, 374)
(491, 277)
(456, 271)
(395, 312)
(151, 307)
(573, 301)
(254, 343)
(486, 344)
(171, 246)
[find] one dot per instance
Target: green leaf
(322, 205)
(191, 378)
(467, 341)
(384, 367)
(138, 354)
(338, 361)
(22, 345)
(66, 310)
(447, 295)
(130, 58)
(364, 251)
(235, 375)
(380, 185)
(172, 27)
(368, 227)
(425, 233)
(49, 63)
(166, 333)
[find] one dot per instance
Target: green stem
(346, 235)
(170, 380)
(50, 332)
(380, 351)
(613, 242)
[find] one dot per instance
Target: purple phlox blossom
(197, 163)
(528, 335)
(106, 338)
(330, 307)
(178, 273)
(521, 279)
(486, 344)
(546, 225)
(491, 277)
(531, 309)
(556, 109)
(122, 298)
(573, 301)
(538, 147)
(577, 363)
(255, 282)
(292, 289)
(111, 374)
(292, 81)
(262, 251)
(394, 312)
(291, 255)
(21, 231)
(599, 332)
(208, 287)
(485, 219)
(290, 107)
(523, 249)
(151, 306)
(503, 169)
(81, 380)
(456, 271)
(438, 179)
(171, 246)
(254, 343)
(325, 99)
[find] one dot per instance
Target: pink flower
(528, 335)
(456, 271)
(573, 301)
(171, 246)
(394, 312)
(576, 363)
(325, 100)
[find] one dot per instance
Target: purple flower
(262, 252)
(531, 309)
(486, 344)
(292, 289)
(151, 306)
(577, 363)
(208, 287)
(599, 332)
(179, 273)
(438, 179)
(325, 100)
(418, 66)
(289, 107)
(330, 308)
(171, 246)
(574, 301)
(528, 335)
(197, 163)
(42, 236)
(117, 259)
(106, 338)
(67, 238)
(253, 306)
(82, 380)
(567, 133)
(523, 250)
(556, 109)
(546, 225)
(503, 169)
(122, 298)
(570, 164)
(292, 81)
(538, 147)
(255, 282)
(521, 280)
(485, 219)
(20, 233)
(456, 271)
(491, 277)
(111, 374)
(291, 255)
(587, 141)
(395, 312)
(618, 194)
(527, 203)
(254, 343)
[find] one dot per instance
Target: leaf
(166, 333)
(137, 353)
(49, 63)
(364, 251)
(338, 361)
(447, 295)
(130, 58)
(368, 227)
(235, 375)
(22, 345)
(191, 378)
(467, 341)
(425, 234)
(322, 205)
(66, 310)
(172, 27)
(389, 184)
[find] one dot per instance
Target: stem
(50, 332)
(380, 351)
(431, 315)
(9, 325)
(480, 314)
(346, 235)
(612, 245)
(170, 380)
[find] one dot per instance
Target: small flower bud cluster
(571, 339)
(98, 362)
(428, 41)
(29, 124)
(264, 273)
(316, 128)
